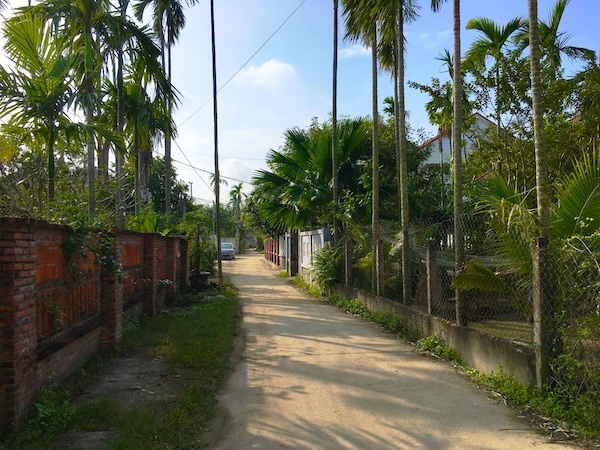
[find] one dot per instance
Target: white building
(470, 139)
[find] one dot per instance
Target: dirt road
(312, 377)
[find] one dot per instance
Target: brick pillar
(150, 273)
(172, 260)
(18, 334)
(111, 302)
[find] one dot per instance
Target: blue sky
(288, 81)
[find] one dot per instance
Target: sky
(274, 71)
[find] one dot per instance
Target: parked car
(227, 250)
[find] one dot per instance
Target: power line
(247, 61)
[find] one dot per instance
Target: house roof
(437, 136)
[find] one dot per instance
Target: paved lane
(312, 377)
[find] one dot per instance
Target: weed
(437, 346)
(195, 343)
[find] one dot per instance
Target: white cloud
(272, 74)
(356, 50)
(436, 40)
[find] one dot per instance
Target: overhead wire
(219, 90)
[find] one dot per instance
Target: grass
(194, 341)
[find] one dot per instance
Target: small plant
(56, 313)
(326, 268)
(437, 346)
(134, 326)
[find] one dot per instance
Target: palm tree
(236, 201)
(360, 25)
(553, 42)
(36, 94)
(492, 42)
(168, 21)
(296, 192)
(90, 26)
(404, 12)
(541, 168)
(457, 169)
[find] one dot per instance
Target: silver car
(227, 250)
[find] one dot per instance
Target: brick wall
(56, 311)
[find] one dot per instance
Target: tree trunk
(403, 168)
(378, 281)
(119, 158)
(91, 160)
(541, 168)
(459, 239)
(51, 164)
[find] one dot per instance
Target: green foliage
(53, 415)
(479, 277)
(100, 243)
(196, 226)
(580, 411)
(437, 346)
(195, 342)
(327, 267)
(145, 222)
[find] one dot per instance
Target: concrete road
(312, 377)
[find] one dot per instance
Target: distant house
(442, 156)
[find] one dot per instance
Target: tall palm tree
(360, 25)
(541, 168)
(457, 101)
(236, 201)
(89, 25)
(168, 22)
(391, 15)
(491, 43)
(553, 42)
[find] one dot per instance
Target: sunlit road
(311, 377)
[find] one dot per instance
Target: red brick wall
(55, 313)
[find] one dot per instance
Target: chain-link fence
(506, 270)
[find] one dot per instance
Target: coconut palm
(90, 26)
(391, 15)
(334, 126)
